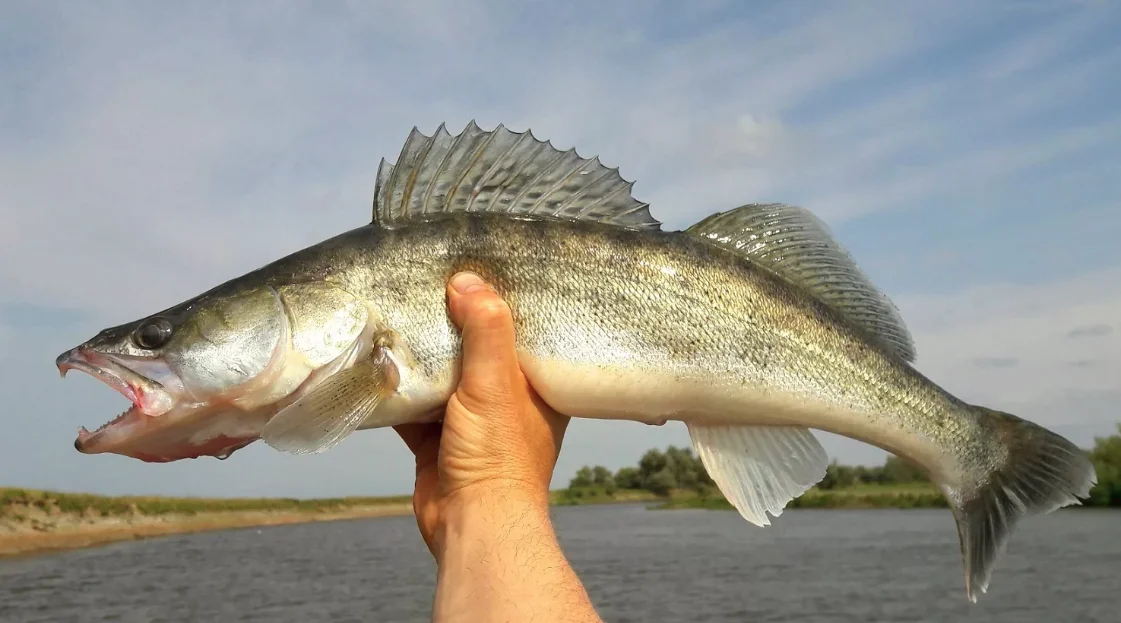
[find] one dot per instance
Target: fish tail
(1034, 472)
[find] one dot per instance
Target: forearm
(501, 562)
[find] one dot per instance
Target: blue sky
(967, 155)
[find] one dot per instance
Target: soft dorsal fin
(501, 171)
(796, 245)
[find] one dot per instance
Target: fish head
(204, 377)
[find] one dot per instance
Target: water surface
(638, 565)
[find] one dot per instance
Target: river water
(638, 565)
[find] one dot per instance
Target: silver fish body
(752, 327)
(655, 326)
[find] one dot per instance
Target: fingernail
(465, 283)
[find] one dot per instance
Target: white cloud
(136, 165)
(1030, 325)
(967, 173)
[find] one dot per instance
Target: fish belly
(652, 397)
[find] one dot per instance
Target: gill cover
(258, 346)
(228, 342)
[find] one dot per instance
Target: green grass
(862, 496)
(598, 495)
(12, 499)
(918, 495)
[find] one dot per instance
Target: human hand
(499, 441)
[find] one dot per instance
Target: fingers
(423, 440)
(414, 435)
(490, 360)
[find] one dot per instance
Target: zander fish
(752, 327)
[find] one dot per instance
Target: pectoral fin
(760, 468)
(323, 417)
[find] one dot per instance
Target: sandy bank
(44, 531)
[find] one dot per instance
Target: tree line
(661, 472)
(657, 471)
(1106, 456)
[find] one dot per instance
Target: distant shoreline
(37, 522)
(31, 543)
(862, 497)
(34, 522)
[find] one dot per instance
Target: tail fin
(1037, 473)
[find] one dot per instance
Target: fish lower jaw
(101, 438)
(148, 401)
(132, 410)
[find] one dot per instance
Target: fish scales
(659, 304)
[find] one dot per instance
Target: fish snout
(70, 360)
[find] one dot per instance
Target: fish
(754, 327)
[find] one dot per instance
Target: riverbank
(917, 495)
(912, 495)
(33, 522)
(599, 495)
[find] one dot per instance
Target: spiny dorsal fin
(796, 245)
(505, 172)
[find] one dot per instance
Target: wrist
(497, 496)
(501, 560)
(492, 515)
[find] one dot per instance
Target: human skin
(482, 481)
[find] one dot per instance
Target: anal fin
(760, 469)
(330, 412)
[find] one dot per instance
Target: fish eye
(152, 334)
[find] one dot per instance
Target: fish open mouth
(148, 400)
(164, 423)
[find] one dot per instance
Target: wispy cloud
(967, 154)
(1026, 323)
(1093, 330)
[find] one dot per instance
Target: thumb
(489, 360)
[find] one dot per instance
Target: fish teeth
(114, 420)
